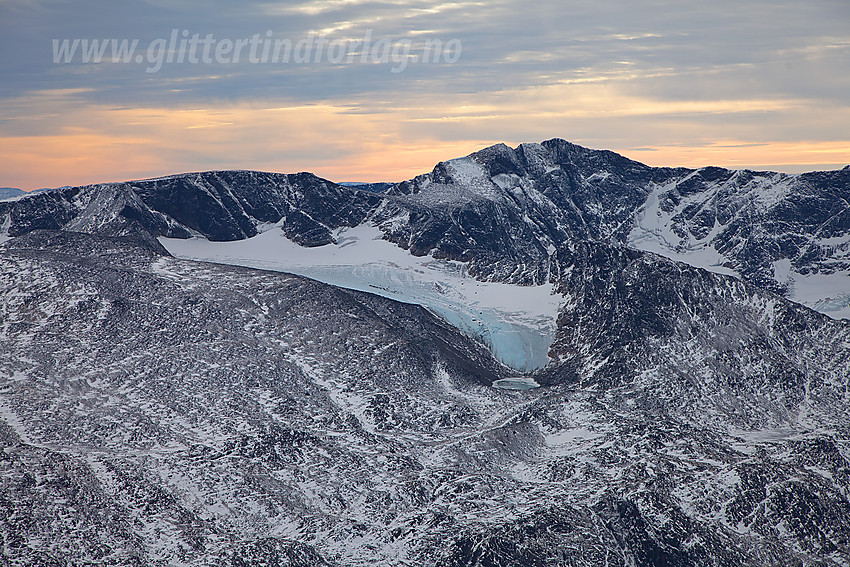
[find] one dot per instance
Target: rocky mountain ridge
(502, 211)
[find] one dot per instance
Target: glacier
(517, 323)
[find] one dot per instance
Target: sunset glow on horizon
(760, 85)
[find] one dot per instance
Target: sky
(762, 84)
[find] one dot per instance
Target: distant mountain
(9, 192)
(565, 358)
(375, 187)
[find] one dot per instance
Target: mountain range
(541, 355)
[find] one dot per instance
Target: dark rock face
(220, 205)
(379, 187)
(501, 209)
(613, 532)
(754, 219)
(742, 355)
(156, 410)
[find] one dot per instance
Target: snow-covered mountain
(789, 233)
(502, 211)
(504, 371)
(9, 192)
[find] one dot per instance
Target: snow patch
(571, 436)
(653, 232)
(827, 293)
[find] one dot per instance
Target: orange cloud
(387, 140)
(738, 154)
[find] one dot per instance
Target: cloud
(621, 74)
